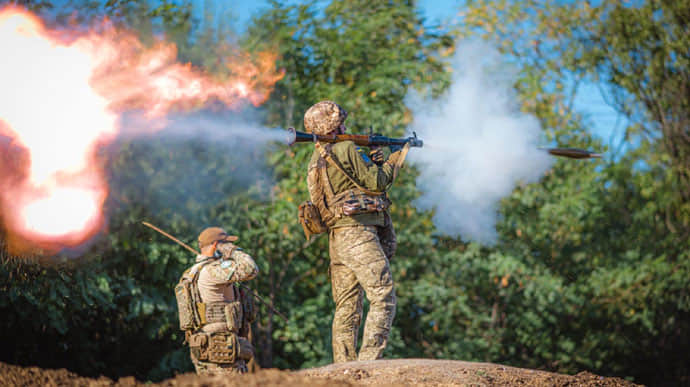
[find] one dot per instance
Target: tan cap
(213, 234)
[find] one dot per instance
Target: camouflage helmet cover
(324, 117)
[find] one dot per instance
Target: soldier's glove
(225, 250)
(376, 156)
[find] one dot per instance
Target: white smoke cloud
(477, 145)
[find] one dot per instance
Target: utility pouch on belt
(223, 348)
(246, 351)
(233, 316)
(310, 219)
(198, 344)
(359, 203)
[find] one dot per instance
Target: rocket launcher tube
(360, 139)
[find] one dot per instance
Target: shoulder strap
(328, 156)
(323, 175)
(320, 190)
(193, 271)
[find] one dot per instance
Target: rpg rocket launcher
(368, 140)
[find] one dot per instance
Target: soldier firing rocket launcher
(375, 140)
(368, 140)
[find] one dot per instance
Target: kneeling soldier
(214, 313)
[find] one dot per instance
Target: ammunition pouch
(354, 203)
(198, 345)
(310, 219)
(246, 349)
(221, 348)
(233, 316)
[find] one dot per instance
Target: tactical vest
(221, 347)
(194, 314)
(332, 207)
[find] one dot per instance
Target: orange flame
(61, 92)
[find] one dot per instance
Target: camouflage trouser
(387, 238)
(360, 264)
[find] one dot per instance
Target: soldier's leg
(347, 295)
(387, 238)
(368, 262)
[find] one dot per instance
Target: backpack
(188, 297)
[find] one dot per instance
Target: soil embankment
(400, 372)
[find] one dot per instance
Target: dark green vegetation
(592, 264)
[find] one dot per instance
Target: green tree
(590, 269)
(599, 250)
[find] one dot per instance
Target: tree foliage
(590, 270)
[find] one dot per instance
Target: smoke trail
(188, 163)
(477, 145)
(229, 128)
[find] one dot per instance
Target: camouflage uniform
(216, 285)
(360, 246)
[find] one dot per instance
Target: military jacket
(367, 174)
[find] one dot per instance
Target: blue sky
(605, 122)
(434, 10)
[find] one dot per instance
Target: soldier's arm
(245, 267)
(369, 176)
(236, 267)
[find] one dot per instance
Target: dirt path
(401, 372)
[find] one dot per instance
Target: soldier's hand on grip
(376, 155)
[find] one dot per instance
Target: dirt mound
(453, 373)
(380, 373)
(11, 375)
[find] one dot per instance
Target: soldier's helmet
(324, 117)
